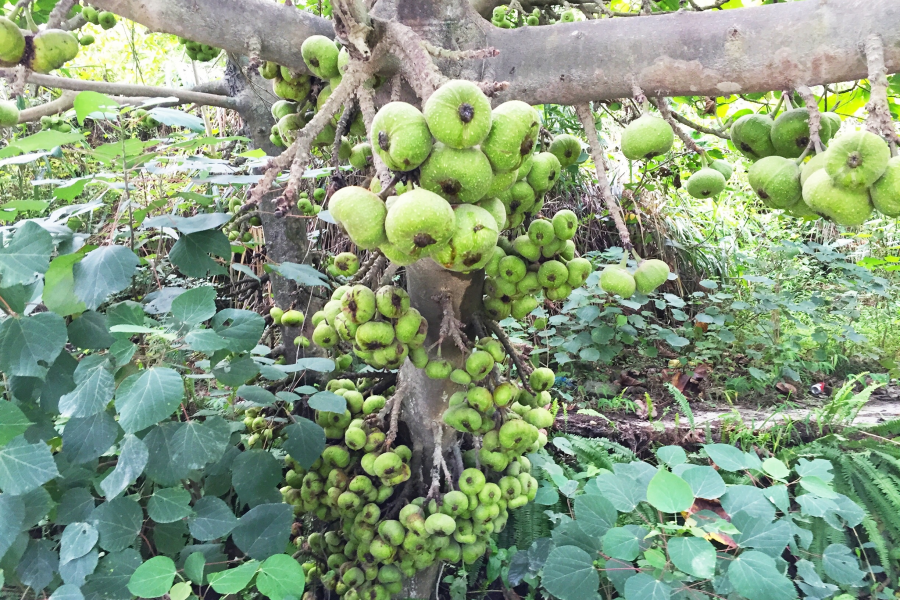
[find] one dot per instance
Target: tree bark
(710, 53)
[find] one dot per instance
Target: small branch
(60, 105)
(698, 127)
(396, 403)
(879, 119)
(343, 126)
(59, 12)
(815, 118)
(522, 368)
(364, 269)
(123, 89)
(396, 87)
(437, 460)
(587, 121)
(450, 325)
(422, 73)
(687, 140)
(492, 88)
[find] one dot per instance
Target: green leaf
(118, 521)
(76, 571)
(257, 395)
(168, 505)
(67, 592)
(13, 422)
(726, 457)
(755, 577)
(212, 519)
(77, 540)
(624, 543)
(569, 574)
(12, 519)
(90, 331)
(193, 567)
(42, 140)
(76, 505)
(672, 455)
(153, 578)
(180, 591)
(818, 467)
(570, 533)
(177, 118)
(695, 556)
(236, 371)
(776, 469)
(148, 397)
(188, 225)
(669, 492)
(29, 345)
(195, 305)
(644, 587)
(764, 536)
(264, 530)
(132, 460)
(205, 340)
(198, 443)
(280, 576)
(817, 486)
(704, 480)
(595, 514)
(38, 564)
(162, 468)
(94, 387)
(103, 271)
(305, 441)
(110, 581)
(233, 580)
(59, 285)
(255, 474)
(242, 328)
(86, 438)
(328, 402)
(24, 466)
(841, 565)
(749, 499)
(191, 253)
(627, 487)
(87, 103)
(26, 256)
(304, 275)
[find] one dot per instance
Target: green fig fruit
(374, 335)
(296, 90)
(359, 306)
(812, 165)
(106, 19)
(479, 363)
(857, 160)
(457, 175)
(392, 301)
(401, 136)
(617, 281)
(650, 274)
(9, 114)
(705, 183)
(496, 209)
(473, 237)
(519, 198)
(544, 173)
(362, 214)
(12, 42)
(541, 232)
(292, 318)
(419, 222)
(844, 206)
(646, 137)
(321, 56)
(324, 335)
(51, 49)
(361, 156)
(565, 224)
(723, 167)
(579, 270)
(462, 418)
(566, 148)
(526, 248)
(751, 134)
(458, 114)
(438, 369)
(500, 182)
(776, 180)
(886, 191)
(514, 129)
(553, 274)
(346, 264)
(790, 132)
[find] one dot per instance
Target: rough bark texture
(426, 399)
(707, 53)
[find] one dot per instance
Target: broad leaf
(212, 519)
(199, 443)
(86, 438)
(264, 530)
(569, 574)
(59, 285)
(67, 592)
(695, 556)
(76, 571)
(188, 225)
(755, 576)
(305, 441)
(95, 105)
(90, 331)
(233, 580)
(304, 275)
(705, 481)
(162, 467)
(255, 474)
(110, 581)
(624, 543)
(840, 564)
(24, 466)
(76, 505)
(726, 457)
(12, 519)
(644, 587)
(26, 256)
(13, 422)
(191, 253)
(242, 328)
(38, 564)
(77, 540)
(280, 576)
(168, 505)
(327, 402)
(595, 514)
(148, 397)
(103, 271)
(153, 579)
(94, 388)
(767, 537)
(749, 499)
(672, 455)
(195, 306)
(29, 345)
(669, 493)
(132, 460)
(118, 522)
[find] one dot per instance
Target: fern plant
(683, 404)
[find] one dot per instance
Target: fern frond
(683, 403)
(880, 544)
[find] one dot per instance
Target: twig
(437, 461)
(815, 118)
(343, 125)
(396, 402)
(522, 368)
(586, 116)
(477, 54)
(421, 72)
(364, 268)
(374, 274)
(396, 87)
(58, 14)
(879, 119)
(450, 325)
(720, 133)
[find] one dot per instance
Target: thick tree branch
(124, 89)
(229, 24)
(61, 104)
(879, 112)
(709, 53)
